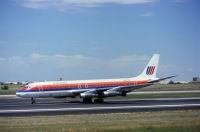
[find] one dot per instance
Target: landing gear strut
(87, 100)
(32, 101)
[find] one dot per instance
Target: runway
(14, 106)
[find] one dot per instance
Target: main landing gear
(89, 100)
(32, 101)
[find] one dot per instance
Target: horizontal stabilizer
(161, 79)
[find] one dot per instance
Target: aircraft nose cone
(19, 94)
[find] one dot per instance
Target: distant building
(7, 83)
(164, 82)
(173, 82)
(196, 80)
(24, 82)
(14, 83)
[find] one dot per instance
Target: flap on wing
(117, 89)
(120, 88)
(91, 91)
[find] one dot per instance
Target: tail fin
(151, 68)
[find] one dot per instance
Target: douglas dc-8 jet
(89, 89)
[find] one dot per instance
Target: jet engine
(88, 95)
(111, 93)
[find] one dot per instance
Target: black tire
(87, 100)
(32, 101)
(124, 94)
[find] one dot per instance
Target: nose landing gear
(87, 100)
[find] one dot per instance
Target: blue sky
(88, 39)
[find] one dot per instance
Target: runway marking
(158, 99)
(165, 92)
(99, 108)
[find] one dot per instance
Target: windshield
(27, 87)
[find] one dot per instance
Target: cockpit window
(27, 87)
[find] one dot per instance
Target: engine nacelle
(111, 93)
(88, 95)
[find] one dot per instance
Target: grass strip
(165, 121)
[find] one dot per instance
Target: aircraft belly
(61, 93)
(43, 94)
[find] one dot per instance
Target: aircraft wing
(127, 88)
(111, 92)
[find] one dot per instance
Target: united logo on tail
(150, 70)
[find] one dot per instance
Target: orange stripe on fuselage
(91, 85)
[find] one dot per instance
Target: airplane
(93, 89)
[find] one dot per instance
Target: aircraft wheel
(32, 101)
(87, 100)
(99, 100)
(123, 94)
